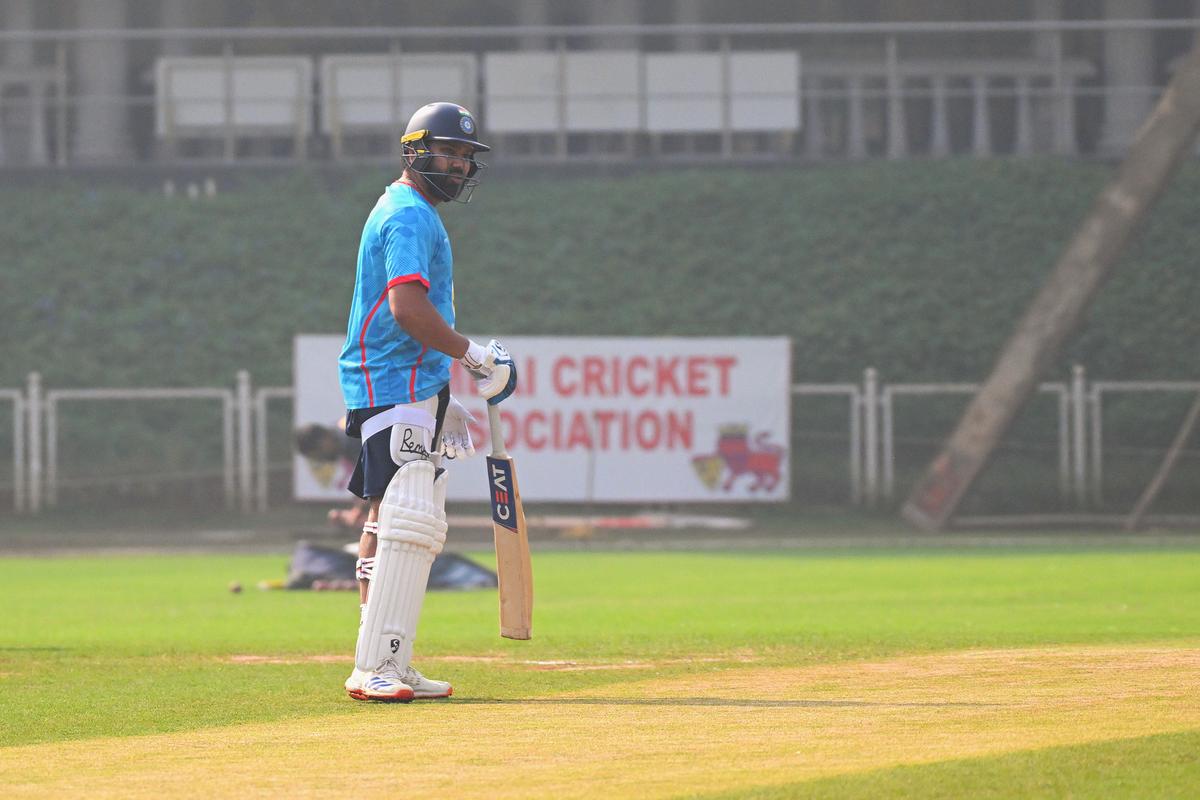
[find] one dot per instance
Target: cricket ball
(235, 587)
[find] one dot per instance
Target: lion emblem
(737, 456)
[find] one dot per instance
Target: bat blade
(513, 569)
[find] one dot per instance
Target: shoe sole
(358, 694)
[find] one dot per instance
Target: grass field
(938, 672)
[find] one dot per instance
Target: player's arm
(491, 365)
(410, 306)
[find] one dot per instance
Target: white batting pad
(421, 579)
(412, 530)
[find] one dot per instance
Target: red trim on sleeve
(410, 278)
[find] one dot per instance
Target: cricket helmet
(443, 122)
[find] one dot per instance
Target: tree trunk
(1059, 307)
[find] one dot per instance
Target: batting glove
(493, 369)
(456, 431)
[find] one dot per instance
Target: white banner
(602, 419)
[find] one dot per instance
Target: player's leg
(410, 531)
(365, 566)
(425, 688)
(363, 571)
(375, 472)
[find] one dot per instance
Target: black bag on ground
(311, 563)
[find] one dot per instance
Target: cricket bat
(513, 569)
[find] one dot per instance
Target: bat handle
(498, 450)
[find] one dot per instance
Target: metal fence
(862, 89)
(887, 398)
(18, 445)
(1095, 402)
(1075, 447)
(54, 398)
(262, 466)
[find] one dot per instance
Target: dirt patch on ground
(722, 729)
(327, 658)
(502, 661)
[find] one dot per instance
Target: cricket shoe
(425, 689)
(384, 684)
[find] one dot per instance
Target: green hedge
(918, 268)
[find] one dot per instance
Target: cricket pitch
(718, 730)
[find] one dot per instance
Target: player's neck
(417, 183)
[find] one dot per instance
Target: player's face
(452, 158)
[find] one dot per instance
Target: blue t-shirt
(404, 240)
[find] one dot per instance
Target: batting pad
(412, 530)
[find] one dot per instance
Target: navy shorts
(375, 466)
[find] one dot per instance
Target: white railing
(57, 396)
(870, 431)
(262, 468)
(18, 431)
(1095, 397)
(854, 394)
(34, 409)
(890, 392)
(244, 410)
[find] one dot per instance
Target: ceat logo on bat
(500, 483)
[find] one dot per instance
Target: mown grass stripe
(1161, 765)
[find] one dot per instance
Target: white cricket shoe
(355, 681)
(425, 689)
(384, 684)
